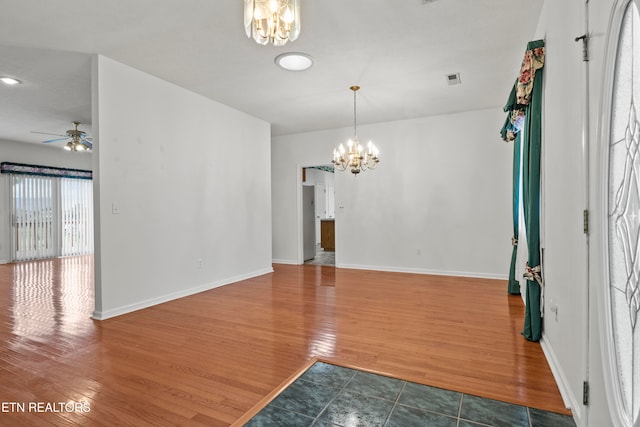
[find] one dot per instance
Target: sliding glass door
(32, 208)
(50, 217)
(76, 216)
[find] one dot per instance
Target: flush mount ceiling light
(272, 21)
(10, 81)
(294, 61)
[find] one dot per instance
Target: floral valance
(22, 169)
(520, 95)
(533, 61)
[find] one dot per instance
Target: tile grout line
(334, 396)
(395, 404)
(459, 410)
(469, 420)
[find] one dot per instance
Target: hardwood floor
(209, 358)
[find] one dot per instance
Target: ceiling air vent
(453, 79)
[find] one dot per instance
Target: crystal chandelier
(356, 158)
(272, 21)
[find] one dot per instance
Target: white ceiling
(399, 51)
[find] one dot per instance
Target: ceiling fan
(78, 139)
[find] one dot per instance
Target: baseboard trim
(568, 397)
(104, 315)
(408, 270)
(425, 271)
(285, 261)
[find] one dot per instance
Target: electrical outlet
(199, 263)
(115, 209)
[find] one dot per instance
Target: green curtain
(524, 109)
(511, 132)
(532, 147)
(514, 285)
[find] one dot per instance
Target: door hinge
(585, 393)
(585, 46)
(585, 221)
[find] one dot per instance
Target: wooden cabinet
(327, 234)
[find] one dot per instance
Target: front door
(617, 252)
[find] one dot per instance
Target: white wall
(34, 154)
(572, 357)
(562, 235)
(443, 187)
(189, 217)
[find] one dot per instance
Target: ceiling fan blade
(87, 144)
(55, 140)
(48, 133)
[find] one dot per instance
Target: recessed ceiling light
(294, 61)
(9, 81)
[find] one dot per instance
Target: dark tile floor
(332, 396)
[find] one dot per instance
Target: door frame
(300, 236)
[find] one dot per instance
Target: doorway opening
(318, 215)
